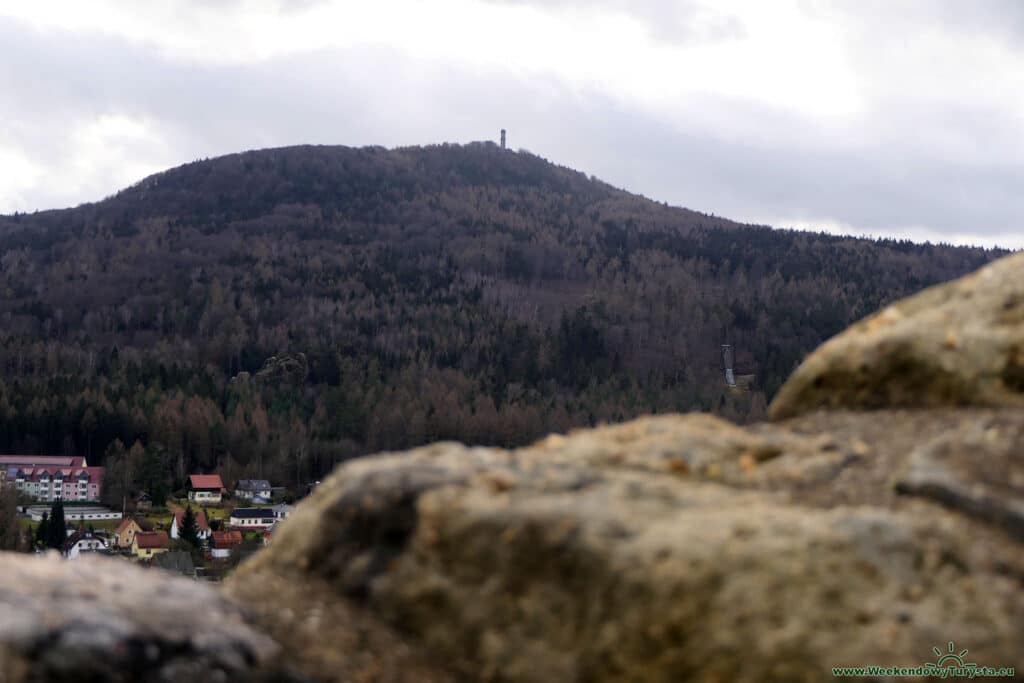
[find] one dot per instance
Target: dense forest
(273, 312)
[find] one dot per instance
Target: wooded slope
(404, 296)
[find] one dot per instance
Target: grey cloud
(1001, 20)
(793, 171)
(670, 21)
(879, 193)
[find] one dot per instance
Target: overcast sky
(867, 117)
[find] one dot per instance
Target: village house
(222, 542)
(202, 524)
(52, 477)
(205, 489)
(251, 518)
(124, 535)
(256, 490)
(281, 511)
(143, 502)
(82, 541)
(149, 543)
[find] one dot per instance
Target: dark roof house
(254, 513)
(177, 561)
(252, 485)
(86, 540)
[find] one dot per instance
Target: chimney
(503, 138)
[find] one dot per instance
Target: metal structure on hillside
(503, 138)
(727, 364)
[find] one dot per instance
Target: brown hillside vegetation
(274, 312)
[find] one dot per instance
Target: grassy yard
(104, 524)
(218, 513)
(99, 524)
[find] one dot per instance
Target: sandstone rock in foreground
(956, 344)
(678, 548)
(978, 470)
(105, 620)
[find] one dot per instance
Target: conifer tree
(189, 528)
(43, 530)
(57, 531)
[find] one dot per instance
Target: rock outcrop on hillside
(670, 548)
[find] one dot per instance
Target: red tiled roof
(201, 523)
(67, 474)
(206, 481)
(152, 539)
(226, 539)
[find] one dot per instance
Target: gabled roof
(206, 481)
(226, 539)
(74, 538)
(253, 513)
(253, 485)
(125, 523)
(152, 539)
(201, 522)
(92, 474)
(79, 536)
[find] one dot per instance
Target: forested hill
(275, 311)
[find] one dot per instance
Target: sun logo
(949, 658)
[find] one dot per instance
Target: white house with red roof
(222, 542)
(178, 521)
(205, 489)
